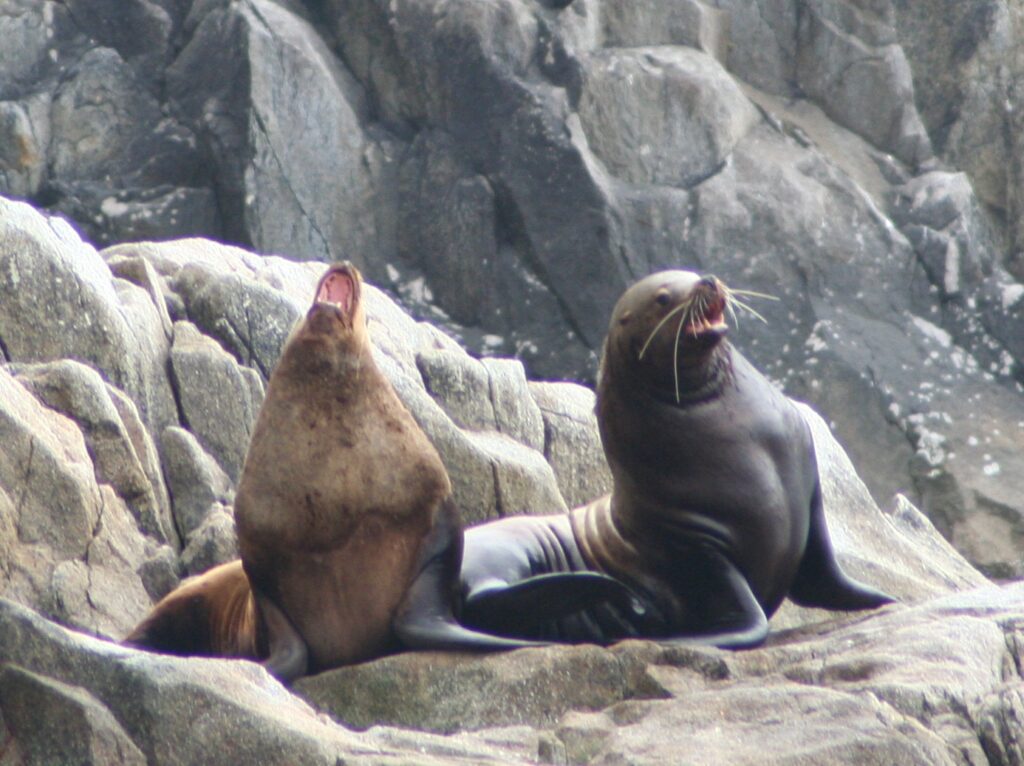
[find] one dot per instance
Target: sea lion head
(334, 329)
(666, 332)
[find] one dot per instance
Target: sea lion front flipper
(545, 597)
(288, 654)
(426, 617)
(820, 582)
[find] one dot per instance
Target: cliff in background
(507, 167)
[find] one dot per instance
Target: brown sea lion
(346, 523)
(350, 541)
(212, 614)
(716, 513)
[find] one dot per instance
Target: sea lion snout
(324, 318)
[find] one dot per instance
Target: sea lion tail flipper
(426, 617)
(820, 582)
(288, 654)
(546, 597)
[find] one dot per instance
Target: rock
(523, 481)
(851, 65)
(447, 225)
(119, 446)
(453, 692)
(195, 480)
(248, 717)
(487, 395)
(515, 412)
(251, 320)
(908, 685)
(219, 398)
(690, 23)
(71, 547)
(572, 444)
(159, 572)
(24, 138)
(461, 386)
(113, 326)
(51, 722)
(977, 49)
(492, 474)
(314, 198)
(213, 542)
(662, 116)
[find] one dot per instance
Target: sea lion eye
(662, 297)
(626, 316)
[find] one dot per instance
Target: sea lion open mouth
(339, 287)
(706, 310)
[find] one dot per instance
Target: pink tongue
(337, 288)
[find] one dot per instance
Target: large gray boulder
(87, 541)
(69, 546)
(508, 167)
(931, 684)
(152, 702)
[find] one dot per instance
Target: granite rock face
(508, 167)
(129, 380)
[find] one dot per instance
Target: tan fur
(211, 614)
(339, 488)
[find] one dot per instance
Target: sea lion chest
(731, 472)
(319, 466)
(339, 489)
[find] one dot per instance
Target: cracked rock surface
(116, 479)
(508, 167)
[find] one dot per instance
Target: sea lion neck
(697, 379)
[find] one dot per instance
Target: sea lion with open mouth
(349, 538)
(716, 513)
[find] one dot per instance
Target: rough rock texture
(104, 504)
(852, 690)
(507, 167)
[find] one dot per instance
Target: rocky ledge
(129, 383)
(936, 683)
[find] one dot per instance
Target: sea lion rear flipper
(541, 598)
(718, 602)
(820, 582)
(288, 654)
(426, 617)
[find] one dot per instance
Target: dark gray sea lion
(349, 538)
(716, 513)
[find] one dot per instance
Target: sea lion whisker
(675, 356)
(732, 312)
(681, 307)
(749, 310)
(750, 293)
